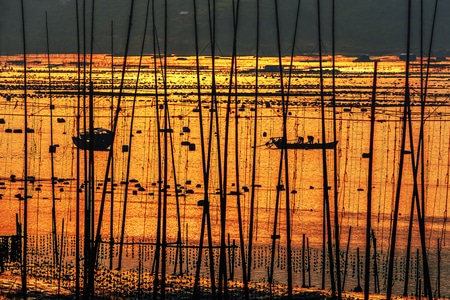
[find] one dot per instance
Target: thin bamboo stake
(369, 185)
(25, 162)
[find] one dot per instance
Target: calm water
(185, 170)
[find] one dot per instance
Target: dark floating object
(186, 129)
(2, 121)
(17, 131)
(281, 143)
(280, 187)
(30, 130)
(201, 203)
(360, 189)
(125, 148)
(275, 236)
(294, 192)
(101, 140)
(8, 130)
(168, 130)
(366, 155)
(185, 143)
(138, 131)
(191, 147)
(60, 120)
(52, 148)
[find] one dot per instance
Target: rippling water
(185, 174)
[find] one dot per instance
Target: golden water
(305, 166)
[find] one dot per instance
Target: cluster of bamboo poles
(92, 237)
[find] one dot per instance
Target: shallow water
(305, 182)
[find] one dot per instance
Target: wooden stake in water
(25, 162)
(52, 150)
(369, 185)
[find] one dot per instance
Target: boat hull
(281, 144)
(101, 141)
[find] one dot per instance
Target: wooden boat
(101, 139)
(280, 143)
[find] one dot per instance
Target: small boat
(101, 140)
(280, 143)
